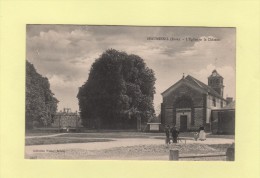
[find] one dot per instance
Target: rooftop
(203, 86)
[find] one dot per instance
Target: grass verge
(59, 140)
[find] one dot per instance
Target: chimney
(229, 100)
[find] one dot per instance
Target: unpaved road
(118, 142)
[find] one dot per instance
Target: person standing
(167, 132)
(175, 134)
(202, 134)
(196, 136)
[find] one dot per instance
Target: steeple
(215, 81)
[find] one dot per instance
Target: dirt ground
(139, 152)
(144, 148)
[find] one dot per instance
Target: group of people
(174, 133)
(201, 135)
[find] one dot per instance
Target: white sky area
(65, 53)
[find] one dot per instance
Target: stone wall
(217, 101)
(198, 116)
(168, 116)
(195, 116)
(196, 96)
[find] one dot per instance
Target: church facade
(188, 103)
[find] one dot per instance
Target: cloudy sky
(65, 53)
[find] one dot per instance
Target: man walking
(167, 132)
(175, 134)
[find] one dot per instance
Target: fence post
(230, 153)
(174, 155)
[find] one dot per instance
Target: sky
(64, 54)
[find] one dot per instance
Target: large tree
(119, 90)
(41, 105)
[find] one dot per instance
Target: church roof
(198, 84)
(203, 86)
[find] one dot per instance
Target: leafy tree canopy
(120, 88)
(41, 105)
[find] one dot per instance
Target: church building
(188, 104)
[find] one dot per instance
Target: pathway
(41, 136)
(118, 142)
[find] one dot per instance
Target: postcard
(130, 92)
(129, 89)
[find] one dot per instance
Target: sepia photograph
(103, 92)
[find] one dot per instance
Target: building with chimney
(189, 103)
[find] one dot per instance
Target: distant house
(188, 104)
(67, 119)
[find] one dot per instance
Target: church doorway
(183, 123)
(183, 113)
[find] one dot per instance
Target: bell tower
(215, 81)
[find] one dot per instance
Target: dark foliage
(119, 90)
(41, 105)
